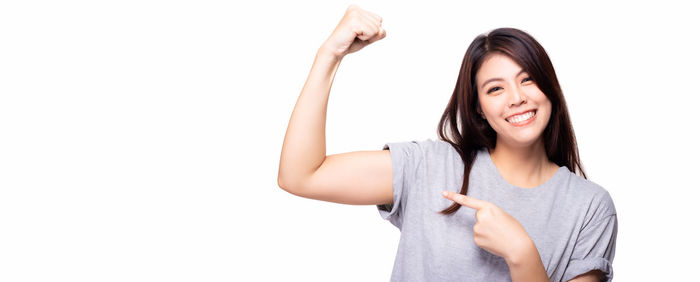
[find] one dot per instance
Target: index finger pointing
(466, 201)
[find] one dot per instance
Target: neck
(523, 166)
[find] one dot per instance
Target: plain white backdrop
(140, 140)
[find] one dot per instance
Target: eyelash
(492, 89)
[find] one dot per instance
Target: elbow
(291, 183)
(294, 188)
(282, 184)
(281, 181)
(285, 185)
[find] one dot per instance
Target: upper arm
(358, 178)
(591, 276)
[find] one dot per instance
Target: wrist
(523, 253)
(526, 264)
(329, 53)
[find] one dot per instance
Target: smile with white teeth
(521, 117)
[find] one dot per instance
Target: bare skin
(362, 177)
(519, 154)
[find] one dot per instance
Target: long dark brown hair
(461, 125)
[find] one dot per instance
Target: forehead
(497, 66)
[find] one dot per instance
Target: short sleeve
(406, 159)
(595, 245)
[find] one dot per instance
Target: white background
(140, 140)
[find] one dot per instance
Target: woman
(495, 198)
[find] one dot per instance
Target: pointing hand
(495, 230)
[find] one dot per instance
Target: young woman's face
(505, 92)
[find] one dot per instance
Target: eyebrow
(498, 78)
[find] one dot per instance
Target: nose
(517, 98)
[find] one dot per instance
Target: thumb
(381, 34)
(464, 200)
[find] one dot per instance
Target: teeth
(521, 117)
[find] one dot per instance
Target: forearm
(304, 147)
(527, 266)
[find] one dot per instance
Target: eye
(527, 79)
(493, 89)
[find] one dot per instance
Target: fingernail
(444, 193)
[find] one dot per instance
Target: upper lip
(520, 113)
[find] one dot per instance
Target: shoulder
(423, 147)
(431, 144)
(436, 156)
(591, 196)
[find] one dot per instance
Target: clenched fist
(357, 29)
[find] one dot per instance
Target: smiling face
(505, 92)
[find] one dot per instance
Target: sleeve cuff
(391, 212)
(577, 267)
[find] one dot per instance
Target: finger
(377, 30)
(465, 200)
(375, 16)
(361, 31)
(374, 25)
(371, 19)
(381, 34)
(364, 29)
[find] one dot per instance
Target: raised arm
(362, 177)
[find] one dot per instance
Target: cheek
(541, 99)
(493, 107)
(536, 94)
(546, 109)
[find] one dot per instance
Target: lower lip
(524, 122)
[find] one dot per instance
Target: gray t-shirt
(571, 220)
